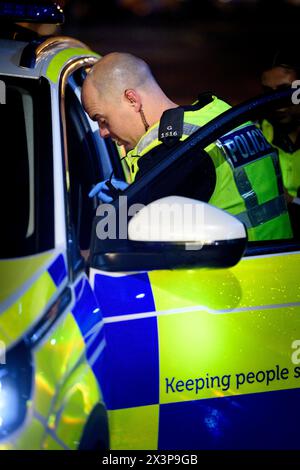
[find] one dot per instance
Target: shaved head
(116, 72)
(121, 94)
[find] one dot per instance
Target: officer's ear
(133, 99)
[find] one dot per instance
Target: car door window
(26, 168)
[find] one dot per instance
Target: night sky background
(192, 46)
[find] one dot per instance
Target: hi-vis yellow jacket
(248, 179)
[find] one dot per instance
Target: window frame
(71, 78)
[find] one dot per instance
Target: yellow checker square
(241, 286)
(215, 289)
(52, 444)
(15, 272)
(32, 438)
(21, 315)
(204, 355)
(56, 360)
(134, 428)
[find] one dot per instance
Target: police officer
(282, 128)
(121, 94)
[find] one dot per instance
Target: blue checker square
(130, 372)
(86, 310)
(257, 421)
(58, 270)
(124, 294)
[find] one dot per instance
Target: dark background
(191, 45)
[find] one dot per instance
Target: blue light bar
(49, 13)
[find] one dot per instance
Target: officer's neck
(156, 110)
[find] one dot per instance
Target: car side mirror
(174, 232)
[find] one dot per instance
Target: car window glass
(26, 168)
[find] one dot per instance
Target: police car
(166, 336)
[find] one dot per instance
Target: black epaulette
(171, 123)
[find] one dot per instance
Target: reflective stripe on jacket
(289, 161)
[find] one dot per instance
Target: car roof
(32, 58)
(11, 52)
